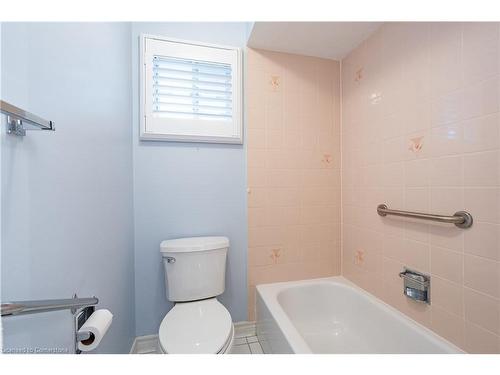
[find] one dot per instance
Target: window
(190, 92)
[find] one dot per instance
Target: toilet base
(225, 350)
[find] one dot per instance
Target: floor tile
(255, 348)
(241, 349)
(240, 341)
(251, 339)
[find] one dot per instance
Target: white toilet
(195, 272)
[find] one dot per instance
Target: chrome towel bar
(17, 117)
(461, 219)
(31, 307)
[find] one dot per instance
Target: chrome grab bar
(31, 307)
(461, 219)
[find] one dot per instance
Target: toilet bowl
(198, 327)
(195, 271)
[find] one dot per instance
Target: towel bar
(16, 117)
(31, 307)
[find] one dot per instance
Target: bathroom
(250, 187)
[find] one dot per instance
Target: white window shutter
(191, 92)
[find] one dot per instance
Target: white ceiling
(331, 40)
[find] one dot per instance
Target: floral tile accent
(416, 144)
(327, 159)
(275, 254)
(275, 83)
(359, 257)
(358, 76)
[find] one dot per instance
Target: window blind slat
(191, 114)
(191, 65)
(193, 105)
(187, 107)
(191, 96)
(190, 82)
(193, 101)
(220, 93)
(187, 73)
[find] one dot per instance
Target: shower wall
(420, 131)
(293, 141)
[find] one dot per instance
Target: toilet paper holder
(81, 317)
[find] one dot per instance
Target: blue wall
(84, 209)
(186, 189)
(67, 204)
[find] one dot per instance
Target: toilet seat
(196, 327)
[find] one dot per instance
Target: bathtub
(332, 315)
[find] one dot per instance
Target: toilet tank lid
(181, 245)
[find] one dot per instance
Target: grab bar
(461, 219)
(31, 307)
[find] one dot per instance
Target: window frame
(237, 118)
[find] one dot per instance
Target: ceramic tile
(482, 169)
(256, 138)
(447, 139)
(482, 310)
(445, 57)
(447, 236)
(481, 133)
(480, 51)
(448, 325)
(428, 144)
(252, 339)
(417, 199)
(447, 264)
(444, 127)
(484, 202)
(480, 341)
(417, 173)
(240, 341)
(255, 348)
(483, 239)
(446, 201)
(446, 171)
(481, 98)
(447, 295)
(447, 109)
(241, 349)
(482, 275)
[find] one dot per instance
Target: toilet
(195, 272)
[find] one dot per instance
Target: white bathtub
(332, 315)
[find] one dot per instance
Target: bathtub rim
(268, 293)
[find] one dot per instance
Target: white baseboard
(242, 329)
(145, 345)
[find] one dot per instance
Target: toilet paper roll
(97, 325)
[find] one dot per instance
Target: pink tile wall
(421, 131)
(293, 142)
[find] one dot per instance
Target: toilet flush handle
(170, 260)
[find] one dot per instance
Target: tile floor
(246, 342)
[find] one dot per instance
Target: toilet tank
(195, 267)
